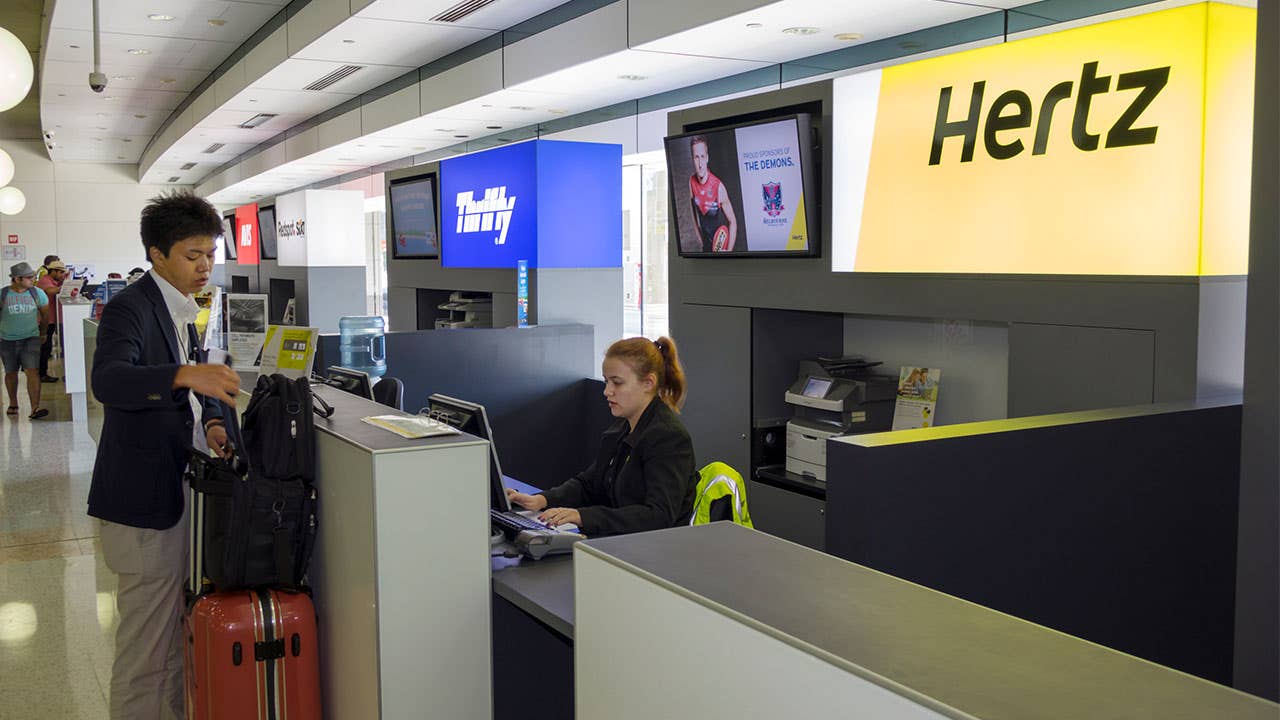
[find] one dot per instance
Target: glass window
(644, 246)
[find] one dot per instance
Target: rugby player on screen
(716, 222)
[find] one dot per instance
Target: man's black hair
(173, 217)
(49, 258)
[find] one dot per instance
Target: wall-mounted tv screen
(745, 190)
(414, 232)
(229, 236)
(267, 232)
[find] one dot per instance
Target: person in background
(23, 321)
(159, 401)
(644, 476)
(51, 284)
(44, 267)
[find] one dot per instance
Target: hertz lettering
(1012, 110)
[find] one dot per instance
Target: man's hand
(528, 502)
(213, 381)
(217, 437)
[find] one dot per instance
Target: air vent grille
(461, 10)
(256, 120)
(345, 71)
(212, 148)
(175, 178)
(188, 166)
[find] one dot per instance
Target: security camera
(98, 81)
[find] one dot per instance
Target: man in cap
(23, 323)
(51, 284)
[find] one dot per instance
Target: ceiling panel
(190, 17)
(496, 16)
(759, 34)
(362, 41)
(294, 102)
(77, 46)
(296, 74)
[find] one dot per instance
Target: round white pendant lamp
(6, 168)
(12, 201)
(16, 70)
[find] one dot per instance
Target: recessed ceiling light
(629, 76)
(520, 107)
(349, 42)
(160, 18)
(754, 26)
(485, 105)
(126, 139)
(252, 100)
(801, 30)
(120, 157)
(123, 77)
(139, 51)
(100, 128)
(388, 147)
(140, 117)
(347, 159)
(101, 114)
(446, 130)
(419, 147)
(168, 81)
(557, 111)
(849, 37)
(217, 22)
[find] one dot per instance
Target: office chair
(390, 392)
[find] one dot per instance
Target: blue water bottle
(362, 344)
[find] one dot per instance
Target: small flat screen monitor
(745, 190)
(817, 387)
(472, 419)
(414, 230)
(229, 236)
(348, 380)
(267, 232)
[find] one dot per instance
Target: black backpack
(256, 515)
(279, 430)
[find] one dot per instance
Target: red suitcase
(252, 654)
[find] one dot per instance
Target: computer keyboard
(532, 538)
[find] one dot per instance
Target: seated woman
(643, 477)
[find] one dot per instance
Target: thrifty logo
(491, 213)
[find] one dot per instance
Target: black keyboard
(514, 522)
(531, 537)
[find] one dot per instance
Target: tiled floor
(57, 599)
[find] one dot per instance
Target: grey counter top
(961, 659)
(346, 425)
(543, 588)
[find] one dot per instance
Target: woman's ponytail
(672, 384)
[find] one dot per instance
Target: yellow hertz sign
(1121, 148)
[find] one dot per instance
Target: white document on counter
(411, 426)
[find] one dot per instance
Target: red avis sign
(246, 238)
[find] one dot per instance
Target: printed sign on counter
(917, 397)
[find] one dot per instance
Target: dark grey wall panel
(788, 515)
(1061, 368)
(779, 341)
(530, 381)
(715, 349)
(402, 309)
(1120, 530)
(1258, 593)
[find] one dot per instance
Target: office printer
(834, 396)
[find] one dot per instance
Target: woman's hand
(560, 516)
(526, 501)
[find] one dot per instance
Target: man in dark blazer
(159, 401)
